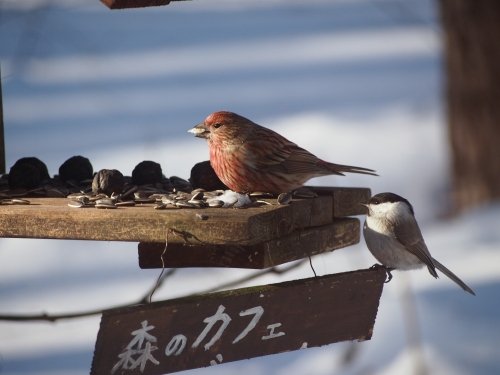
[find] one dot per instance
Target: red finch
(248, 157)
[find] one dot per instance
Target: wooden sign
(193, 332)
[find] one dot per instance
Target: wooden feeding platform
(254, 237)
(202, 330)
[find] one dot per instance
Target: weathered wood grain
(52, 218)
(346, 201)
(297, 245)
(238, 324)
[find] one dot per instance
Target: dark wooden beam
(169, 336)
(298, 245)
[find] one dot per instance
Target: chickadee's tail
(341, 169)
(452, 276)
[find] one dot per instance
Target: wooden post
(200, 331)
(2, 139)
(472, 57)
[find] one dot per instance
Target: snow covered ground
(356, 82)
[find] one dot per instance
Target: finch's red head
(220, 123)
(219, 118)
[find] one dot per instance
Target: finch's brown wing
(270, 151)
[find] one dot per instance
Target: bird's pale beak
(367, 207)
(200, 131)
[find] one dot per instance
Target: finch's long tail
(453, 277)
(341, 169)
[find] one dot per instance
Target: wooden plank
(298, 245)
(123, 4)
(187, 333)
(52, 218)
(346, 201)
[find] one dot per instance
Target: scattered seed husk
(125, 204)
(157, 197)
(197, 202)
(76, 195)
(140, 194)
(266, 203)
(15, 201)
(260, 194)
(197, 195)
(144, 200)
(284, 198)
(95, 198)
(105, 203)
(76, 204)
(184, 204)
(167, 200)
(215, 203)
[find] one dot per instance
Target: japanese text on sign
(140, 350)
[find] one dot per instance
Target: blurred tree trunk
(472, 53)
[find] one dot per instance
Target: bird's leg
(388, 271)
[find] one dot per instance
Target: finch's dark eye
(375, 201)
(217, 125)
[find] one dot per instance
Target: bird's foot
(388, 271)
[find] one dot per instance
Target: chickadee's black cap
(389, 198)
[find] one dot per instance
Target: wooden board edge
(52, 218)
(346, 200)
(300, 244)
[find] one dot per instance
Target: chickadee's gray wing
(408, 233)
(453, 277)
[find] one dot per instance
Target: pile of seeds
(196, 199)
(109, 188)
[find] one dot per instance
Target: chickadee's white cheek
(381, 209)
(377, 225)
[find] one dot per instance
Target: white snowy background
(356, 82)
